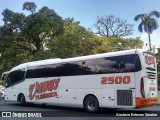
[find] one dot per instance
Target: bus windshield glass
(4, 77)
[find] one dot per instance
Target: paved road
(76, 113)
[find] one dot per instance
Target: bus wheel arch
(91, 103)
(21, 98)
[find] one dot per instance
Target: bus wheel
(23, 100)
(91, 104)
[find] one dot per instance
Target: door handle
(110, 98)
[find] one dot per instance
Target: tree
(31, 33)
(29, 6)
(148, 23)
(25, 38)
(69, 21)
(116, 44)
(75, 41)
(125, 43)
(68, 44)
(110, 26)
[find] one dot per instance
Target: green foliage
(128, 43)
(70, 43)
(116, 44)
(77, 41)
(30, 6)
(31, 32)
(43, 35)
(22, 38)
(42, 55)
(148, 21)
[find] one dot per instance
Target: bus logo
(116, 80)
(38, 90)
(150, 60)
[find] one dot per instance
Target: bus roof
(24, 65)
(58, 60)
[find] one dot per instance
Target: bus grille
(124, 97)
(151, 75)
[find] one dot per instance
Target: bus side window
(118, 64)
(86, 67)
(15, 76)
(51, 70)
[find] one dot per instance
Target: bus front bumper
(145, 102)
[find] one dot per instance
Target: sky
(87, 11)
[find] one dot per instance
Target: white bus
(124, 79)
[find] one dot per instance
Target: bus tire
(23, 100)
(91, 104)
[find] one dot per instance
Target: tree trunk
(149, 37)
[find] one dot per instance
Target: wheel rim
(91, 105)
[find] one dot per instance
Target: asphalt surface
(68, 113)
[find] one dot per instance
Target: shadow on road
(59, 111)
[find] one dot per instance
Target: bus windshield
(4, 77)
